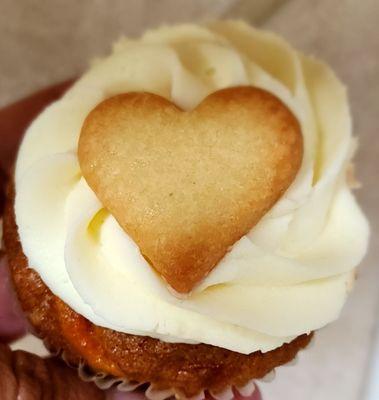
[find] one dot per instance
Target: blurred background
(47, 41)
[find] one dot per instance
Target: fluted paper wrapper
(105, 382)
(123, 385)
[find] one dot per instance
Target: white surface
(371, 391)
(30, 343)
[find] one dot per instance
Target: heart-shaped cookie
(185, 186)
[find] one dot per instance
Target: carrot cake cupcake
(182, 216)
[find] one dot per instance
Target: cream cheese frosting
(289, 275)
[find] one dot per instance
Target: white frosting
(290, 275)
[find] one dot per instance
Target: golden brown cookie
(186, 367)
(187, 185)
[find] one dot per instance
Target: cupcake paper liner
(105, 382)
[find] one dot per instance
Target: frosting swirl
(290, 275)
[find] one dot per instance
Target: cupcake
(182, 217)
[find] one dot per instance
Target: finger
(12, 321)
(25, 376)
